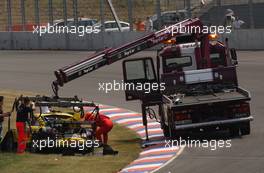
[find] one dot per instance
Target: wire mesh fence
(21, 15)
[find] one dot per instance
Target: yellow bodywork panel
(71, 117)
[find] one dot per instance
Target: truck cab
(184, 56)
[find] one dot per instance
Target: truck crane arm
(110, 55)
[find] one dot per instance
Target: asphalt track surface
(33, 71)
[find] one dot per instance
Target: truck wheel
(234, 131)
(245, 128)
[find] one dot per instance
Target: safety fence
(243, 39)
(21, 15)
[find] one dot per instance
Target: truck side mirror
(233, 56)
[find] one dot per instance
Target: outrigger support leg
(145, 120)
(55, 88)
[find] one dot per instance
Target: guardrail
(243, 39)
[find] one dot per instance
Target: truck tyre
(234, 131)
(245, 128)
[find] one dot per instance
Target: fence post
(252, 23)
(23, 16)
(130, 14)
(102, 18)
(9, 24)
(102, 15)
(50, 6)
(37, 21)
(158, 11)
(65, 18)
(75, 11)
(9, 16)
(219, 12)
(188, 4)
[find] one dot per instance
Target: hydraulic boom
(111, 55)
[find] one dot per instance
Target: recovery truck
(198, 74)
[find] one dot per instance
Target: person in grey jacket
(148, 24)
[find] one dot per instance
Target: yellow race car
(61, 132)
(57, 131)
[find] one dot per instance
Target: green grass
(121, 139)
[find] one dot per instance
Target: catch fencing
(21, 15)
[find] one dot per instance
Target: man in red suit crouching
(104, 126)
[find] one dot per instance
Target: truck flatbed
(229, 95)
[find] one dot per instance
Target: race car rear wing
(39, 98)
(64, 102)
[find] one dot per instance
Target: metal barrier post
(37, 21)
(9, 24)
(252, 23)
(188, 4)
(65, 18)
(102, 18)
(23, 16)
(9, 16)
(130, 14)
(75, 11)
(219, 13)
(50, 6)
(102, 15)
(158, 11)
